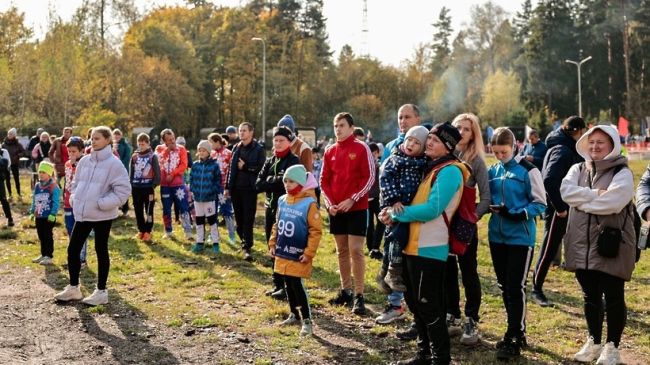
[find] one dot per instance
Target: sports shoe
(168, 236)
(138, 236)
(10, 223)
(38, 259)
(291, 320)
(470, 332)
(69, 293)
(408, 334)
(376, 254)
(232, 239)
(509, 350)
(247, 256)
(146, 237)
(391, 313)
(344, 298)
(522, 341)
(306, 329)
(359, 307)
(189, 236)
(197, 248)
(453, 325)
(279, 294)
(96, 298)
(589, 352)
(83, 265)
(540, 299)
(46, 261)
(609, 356)
(215, 248)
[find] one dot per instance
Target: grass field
(184, 291)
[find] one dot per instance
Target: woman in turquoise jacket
(517, 197)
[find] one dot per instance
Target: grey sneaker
(470, 332)
(38, 259)
(453, 325)
(306, 329)
(290, 321)
(46, 261)
(390, 314)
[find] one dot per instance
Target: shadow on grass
(134, 347)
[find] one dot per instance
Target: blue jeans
(69, 224)
(395, 297)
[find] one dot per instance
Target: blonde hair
(475, 147)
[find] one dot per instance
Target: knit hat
(574, 123)
(283, 131)
(420, 133)
(231, 129)
(46, 167)
(447, 134)
(287, 121)
(297, 173)
(180, 140)
(12, 132)
(205, 145)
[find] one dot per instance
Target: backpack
(462, 227)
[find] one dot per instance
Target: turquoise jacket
(518, 185)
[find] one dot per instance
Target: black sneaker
(409, 334)
(359, 305)
(279, 294)
(10, 223)
(508, 351)
(247, 256)
(376, 254)
(418, 359)
(540, 299)
(344, 298)
(521, 340)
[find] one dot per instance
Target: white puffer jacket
(101, 185)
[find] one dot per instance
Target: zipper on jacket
(588, 242)
(523, 223)
(503, 198)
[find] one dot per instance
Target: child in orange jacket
(294, 240)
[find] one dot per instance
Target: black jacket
(269, 179)
(253, 156)
(561, 155)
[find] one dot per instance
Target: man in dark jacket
(560, 157)
(535, 150)
(247, 161)
(16, 151)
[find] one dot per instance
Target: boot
(394, 277)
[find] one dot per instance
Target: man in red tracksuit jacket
(346, 178)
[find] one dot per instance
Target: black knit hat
(284, 132)
(448, 134)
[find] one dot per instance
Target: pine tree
(440, 45)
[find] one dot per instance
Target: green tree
(440, 45)
(500, 97)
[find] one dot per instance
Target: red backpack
(462, 227)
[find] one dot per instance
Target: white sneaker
(69, 293)
(97, 297)
(189, 236)
(589, 352)
(306, 329)
(454, 325)
(609, 355)
(38, 259)
(390, 314)
(291, 320)
(470, 332)
(46, 261)
(168, 236)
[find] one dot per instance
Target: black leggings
(297, 297)
(471, 282)
(80, 233)
(3, 200)
(594, 284)
(143, 204)
(15, 170)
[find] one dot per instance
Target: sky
(395, 28)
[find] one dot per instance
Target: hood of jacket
(582, 146)
(559, 138)
(311, 182)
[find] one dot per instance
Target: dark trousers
(554, 230)
(471, 282)
(6, 209)
(425, 297)
(44, 231)
(511, 265)
(244, 203)
(143, 204)
(80, 233)
(15, 170)
(594, 284)
(297, 297)
(376, 229)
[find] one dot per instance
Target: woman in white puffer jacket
(101, 185)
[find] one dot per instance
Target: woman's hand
(304, 259)
(272, 251)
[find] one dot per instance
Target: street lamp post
(578, 64)
(263, 86)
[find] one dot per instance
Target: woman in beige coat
(599, 192)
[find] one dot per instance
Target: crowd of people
(404, 194)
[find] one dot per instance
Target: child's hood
(311, 182)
